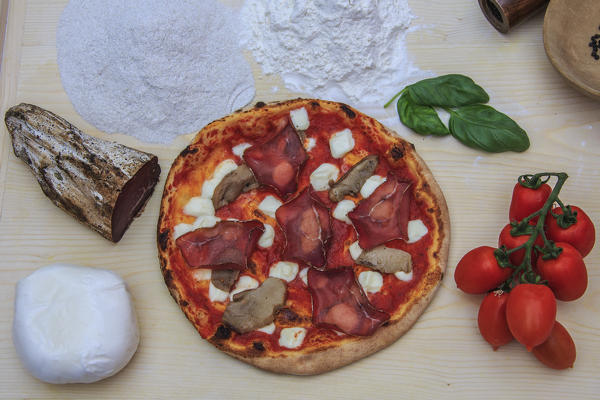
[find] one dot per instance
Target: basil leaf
(422, 119)
(483, 127)
(448, 91)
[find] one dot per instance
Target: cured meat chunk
(227, 245)
(307, 227)
(339, 303)
(277, 161)
(383, 216)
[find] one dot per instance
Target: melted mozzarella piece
(304, 276)
(342, 209)
(182, 229)
(341, 143)
(198, 206)
(371, 184)
(416, 230)
(269, 206)
(267, 238)
(310, 143)
(355, 250)
(239, 149)
(244, 283)
(269, 329)
(209, 185)
(300, 119)
(320, 177)
(216, 295)
(206, 221)
(404, 276)
(371, 281)
(284, 270)
(292, 338)
(202, 274)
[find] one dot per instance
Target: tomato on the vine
(526, 201)
(530, 313)
(558, 351)
(566, 275)
(478, 271)
(511, 242)
(492, 319)
(581, 235)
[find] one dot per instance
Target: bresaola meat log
(102, 184)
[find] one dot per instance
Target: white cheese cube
(304, 275)
(371, 184)
(239, 149)
(404, 276)
(355, 250)
(266, 239)
(416, 230)
(198, 206)
(371, 281)
(216, 295)
(292, 338)
(284, 270)
(320, 177)
(245, 282)
(300, 119)
(342, 209)
(269, 329)
(269, 206)
(341, 143)
(310, 143)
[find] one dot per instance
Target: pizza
(301, 236)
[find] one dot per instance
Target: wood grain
(443, 355)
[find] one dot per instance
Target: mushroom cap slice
(255, 308)
(351, 182)
(224, 278)
(386, 260)
(232, 185)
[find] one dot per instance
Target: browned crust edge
(317, 362)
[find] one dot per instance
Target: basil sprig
(472, 123)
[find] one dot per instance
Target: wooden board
(443, 356)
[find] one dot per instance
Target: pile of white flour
(152, 69)
(345, 50)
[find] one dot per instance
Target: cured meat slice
(227, 245)
(339, 303)
(383, 216)
(277, 161)
(307, 227)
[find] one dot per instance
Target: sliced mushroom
(351, 182)
(224, 278)
(255, 308)
(232, 185)
(386, 259)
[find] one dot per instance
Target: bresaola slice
(277, 161)
(339, 303)
(307, 227)
(227, 245)
(383, 216)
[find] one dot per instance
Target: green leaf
(422, 119)
(483, 127)
(448, 91)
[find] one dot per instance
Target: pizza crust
(303, 362)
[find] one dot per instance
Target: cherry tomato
(478, 271)
(492, 319)
(580, 235)
(511, 242)
(526, 201)
(558, 351)
(566, 275)
(530, 313)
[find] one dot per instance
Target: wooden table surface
(443, 356)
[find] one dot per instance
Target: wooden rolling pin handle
(506, 14)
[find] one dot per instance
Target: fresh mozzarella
(217, 295)
(269, 206)
(284, 270)
(74, 324)
(202, 274)
(310, 143)
(244, 283)
(206, 221)
(269, 329)
(266, 239)
(404, 276)
(182, 229)
(292, 338)
(416, 230)
(320, 177)
(355, 250)
(342, 209)
(209, 185)
(240, 149)
(300, 119)
(198, 206)
(341, 143)
(371, 184)
(304, 275)
(371, 281)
